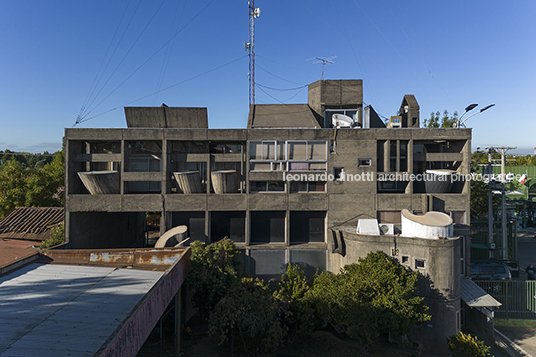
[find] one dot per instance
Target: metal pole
(490, 208)
(503, 203)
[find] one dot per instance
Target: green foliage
(447, 121)
(249, 309)
(13, 179)
(370, 298)
(297, 312)
(215, 268)
(57, 236)
(463, 345)
(22, 186)
(480, 200)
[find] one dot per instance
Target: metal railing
(518, 298)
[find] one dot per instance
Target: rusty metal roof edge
(134, 257)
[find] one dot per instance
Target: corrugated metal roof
(31, 223)
(474, 296)
(61, 310)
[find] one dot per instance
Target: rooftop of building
(87, 302)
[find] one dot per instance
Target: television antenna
(324, 60)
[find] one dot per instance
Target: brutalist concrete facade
(298, 187)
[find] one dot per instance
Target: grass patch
(515, 323)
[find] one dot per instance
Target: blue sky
(58, 57)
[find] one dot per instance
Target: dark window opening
(338, 173)
(267, 227)
(307, 226)
(392, 186)
(195, 221)
(420, 264)
(228, 224)
(364, 162)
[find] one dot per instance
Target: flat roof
(85, 307)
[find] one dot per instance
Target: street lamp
(459, 123)
(469, 107)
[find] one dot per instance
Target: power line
(161, 90)
(81, 119)
(281, 89)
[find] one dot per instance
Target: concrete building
(291, 185)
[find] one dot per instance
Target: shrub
(57, 236)
(464, 345)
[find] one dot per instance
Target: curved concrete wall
(439, 281)
(432, 225)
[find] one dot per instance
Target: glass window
(299, 166)
(364, 162)
(268, 150)
(280, 150)
(317, 150)
(276, 186)
(297, 186)
(255, 150)
(260, 166)
(257, 186)
(297, 151)
(317, 166)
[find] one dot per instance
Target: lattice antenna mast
(250, 46)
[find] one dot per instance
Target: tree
(297, 312)
(22, 186)
(372, 297)
(249, 309)
(215, 268)
(480, 200)
(45, 186)
(13, 177)
(447, 121)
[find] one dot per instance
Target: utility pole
(503, 151)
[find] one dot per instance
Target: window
(230, 224)
(307, 186)
(364, 162)
(392, 186)
(338, 173)
(266, 186)
(405, 259)
(420, 264)
(267, 226)
(305, 155)
(328, 114)
(195, 222)
(307, 226)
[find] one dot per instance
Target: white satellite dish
(342, 121)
